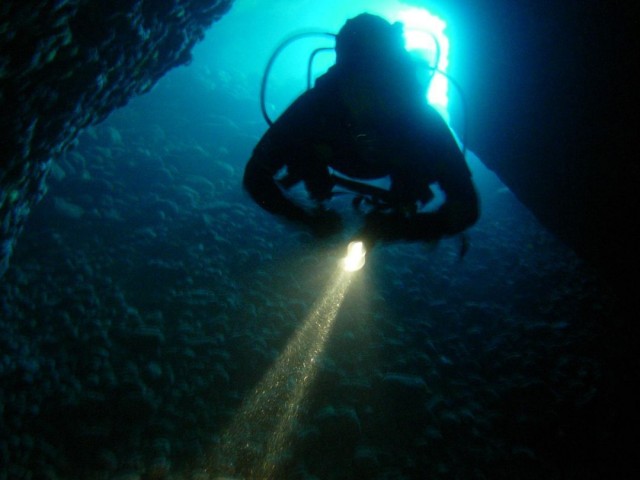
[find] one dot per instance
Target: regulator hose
(265, 77)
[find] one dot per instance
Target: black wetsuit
(401, 137)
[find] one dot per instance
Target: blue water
(148, 296)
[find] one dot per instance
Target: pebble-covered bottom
(148, 297)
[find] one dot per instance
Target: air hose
(465, 125)
(265, 77)
(310, 64)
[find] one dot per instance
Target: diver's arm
(461, 206)
(460, 209)
(260, 184)
(287, 143)
(458, 213)
(390, 227)
(284, 143)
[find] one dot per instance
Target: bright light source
(422, 29)
(355, 257)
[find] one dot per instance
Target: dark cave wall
(552, 92)
(67, 64)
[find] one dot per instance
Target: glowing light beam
(258, 438)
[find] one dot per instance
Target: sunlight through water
(422, 31)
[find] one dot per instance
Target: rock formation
(66, 64)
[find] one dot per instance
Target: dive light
(354, 260)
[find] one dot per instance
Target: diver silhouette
(366, 118)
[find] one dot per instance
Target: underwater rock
(340, 425)
(366, 461)
(158, 469)
(114, 136)
(449, 419)
(199, 183)
(220, 374)
(55, 83)
(433, 433)
(107, 460)
(404, 397)
(147, 339)
(68, 209)
(136, 405)
(405, 384)
(127, 476)
(223, 168)
(355, 389)
(56, 173)
(17, 471)
(169, 207)
(161, 446)
(186, 196)
(154, 371)
(93, 434)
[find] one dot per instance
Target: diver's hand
(379, 227)
(324, 223)
(389, 227)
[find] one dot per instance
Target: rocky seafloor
(148, 296)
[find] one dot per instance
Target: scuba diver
(366, 118)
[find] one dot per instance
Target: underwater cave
(156, 324)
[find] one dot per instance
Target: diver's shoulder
(327, 82)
